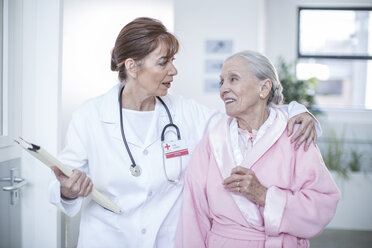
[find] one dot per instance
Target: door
(10, 214)
(10, 177)
(29, 83)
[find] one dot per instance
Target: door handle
(15, 184)
(20, 182)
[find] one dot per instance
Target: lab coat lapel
(110, 116)
(153, 133)
(159, 120)
(109, 106)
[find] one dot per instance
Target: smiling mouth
(168, 85)
(228, 100)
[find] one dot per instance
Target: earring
(262, 96)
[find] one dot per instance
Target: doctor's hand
(306, 131)
(244, 182)
(76, 185)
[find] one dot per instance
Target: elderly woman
(246, 184)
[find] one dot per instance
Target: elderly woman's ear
(265, 88)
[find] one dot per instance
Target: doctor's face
(240, 89)
(156, 72)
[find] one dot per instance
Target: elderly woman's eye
(221, 83)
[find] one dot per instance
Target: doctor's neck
(135, 99)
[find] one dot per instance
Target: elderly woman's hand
(306, 131)
(244, 182)
(78, 184)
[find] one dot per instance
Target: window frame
(327, 56)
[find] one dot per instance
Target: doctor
(114, 141)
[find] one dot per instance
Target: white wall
(40, 70)
(196, 21)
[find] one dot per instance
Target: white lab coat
(150, 204)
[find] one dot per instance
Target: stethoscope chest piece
(135, 170)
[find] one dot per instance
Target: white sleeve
(75, 157)
(202, 117)
(212, 118)
(69, 207)
(294, 108)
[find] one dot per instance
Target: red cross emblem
(167, 146)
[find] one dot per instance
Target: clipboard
(50, 161)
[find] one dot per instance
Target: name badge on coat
(175, 148)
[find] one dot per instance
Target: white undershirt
(248, 139)
(137, 122)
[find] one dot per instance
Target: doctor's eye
(164, 63)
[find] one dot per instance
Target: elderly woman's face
(240, 89)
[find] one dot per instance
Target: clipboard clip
(29, 146)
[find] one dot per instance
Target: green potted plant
(294, 89)
(355, 162)
(334, 154)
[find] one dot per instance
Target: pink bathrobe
(301, 198)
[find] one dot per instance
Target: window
(335, 45)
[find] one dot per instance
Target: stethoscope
(135, 169)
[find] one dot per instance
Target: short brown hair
(139, 38)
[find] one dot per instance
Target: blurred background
(56, 55)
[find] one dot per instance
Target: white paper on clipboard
(50, 161)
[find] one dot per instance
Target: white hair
(263, 68)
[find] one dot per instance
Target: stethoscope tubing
(171, 124)
(122, 130)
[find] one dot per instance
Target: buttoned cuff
(69, 207)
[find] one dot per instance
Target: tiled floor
(332, 238)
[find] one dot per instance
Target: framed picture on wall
(218, 46)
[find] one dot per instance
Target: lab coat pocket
(102, 215)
